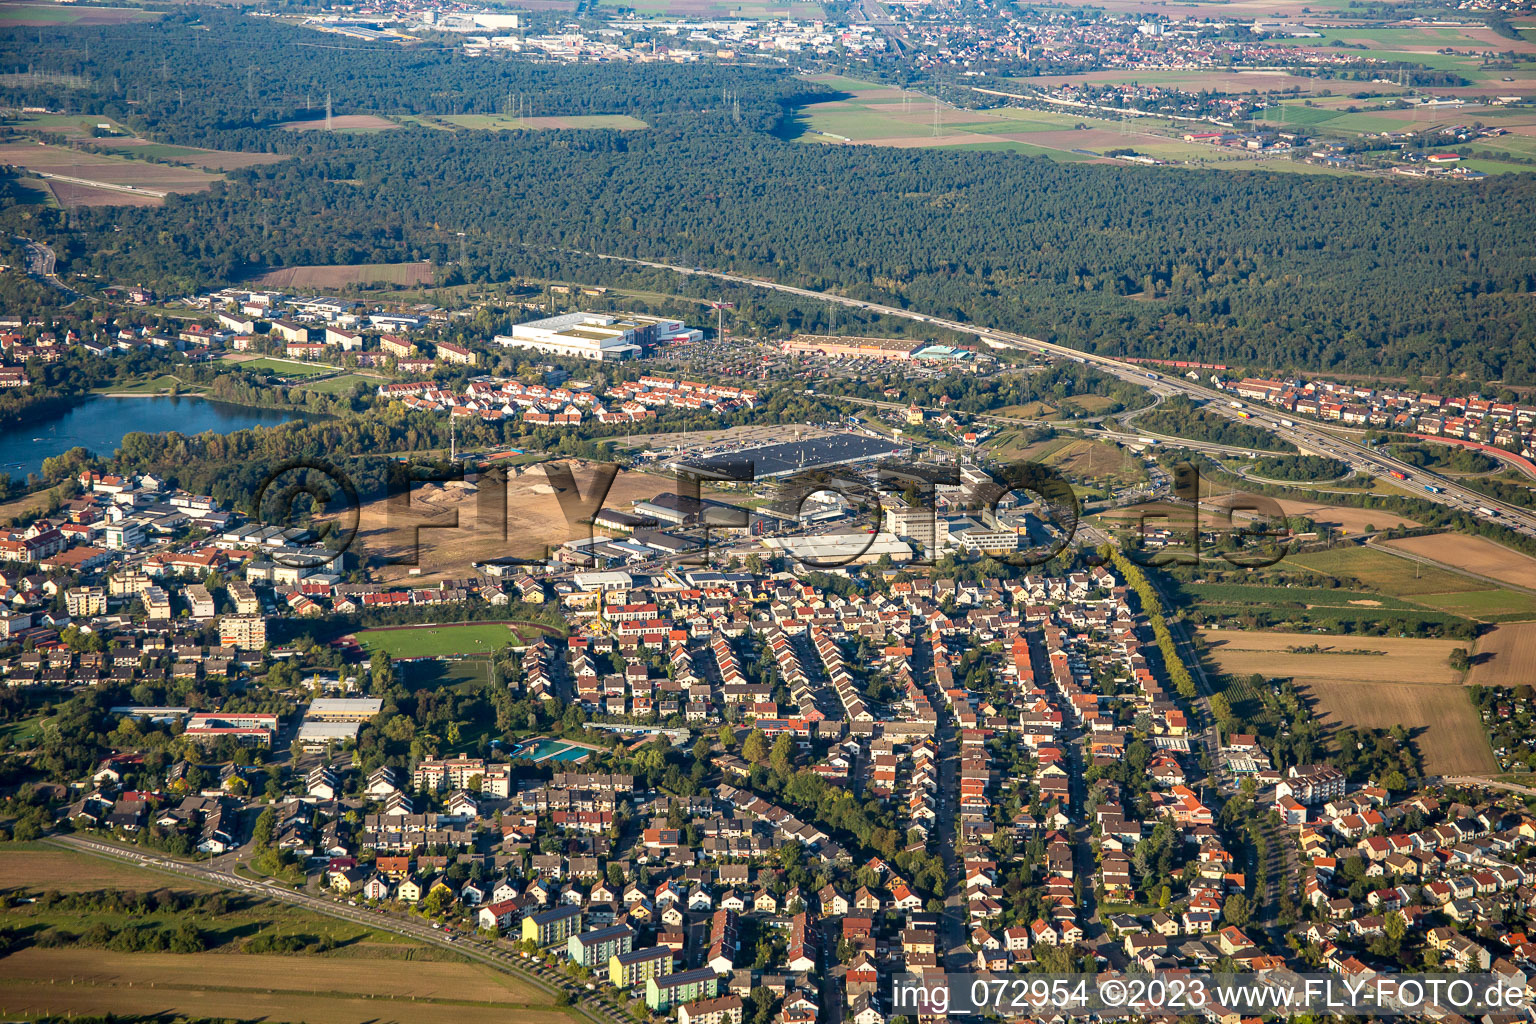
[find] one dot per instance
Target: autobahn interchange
(1305, 436)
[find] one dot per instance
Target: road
(132, 190)
(42, 263)
(596, 1009)
(1304, 435)
(1472, 780)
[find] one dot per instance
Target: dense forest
(1274, 270)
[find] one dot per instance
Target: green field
(1299, 114)
(1498, 167)
(1519, 145)
(1438, 589)
(1345, 610)
(1013, 146)
(1376, 570)
(283, 368)
(1493, 605)
(440, 641)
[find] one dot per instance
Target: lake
(99, 424)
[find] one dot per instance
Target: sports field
(281, 367)
(1370, 682)
(441, 641)
(343, 275)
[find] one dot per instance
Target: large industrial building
(787, 458)
(600, 337)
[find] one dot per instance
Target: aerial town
(767, 512)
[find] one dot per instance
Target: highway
(595, 1008)
(41, 264)
(1304, 435)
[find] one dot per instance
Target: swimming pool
(552, 750)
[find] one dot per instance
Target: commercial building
(788, 458)
(896, 349)
(600, 337)
(248, 729)
(343, 709)
(839, 549)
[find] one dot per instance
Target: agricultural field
(1400, 681)
(352, 124)
(20, 14)
(442, 641)
(1372, 569)
(93, 170)
(207, 159)
(75, 127)
(1505, 656)
(885, 116)
(1338, 611)
(38, 867)
(506, 122)
(423, 529)
(1475, 555)
(318, 990)
(343, 276)
(1390, 659)
(1341, 518)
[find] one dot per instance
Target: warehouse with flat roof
(600, 337)
(776, 461)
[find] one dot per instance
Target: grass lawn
(439, 641)
(282, 367)
(1498, 167)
